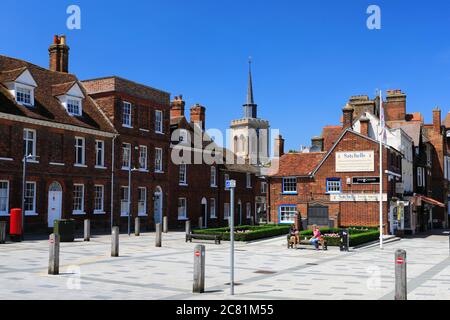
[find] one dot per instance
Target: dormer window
(71, 97)
(21, 85)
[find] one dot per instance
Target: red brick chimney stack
(177, 107)
(348, 116)
(59, 54)
(437, 120)
(279, 146)
(198, 115)
(365, 125)
(395, 105)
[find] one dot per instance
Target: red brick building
(198, 187)
(337, 186)
(140, 115)
(48, 115)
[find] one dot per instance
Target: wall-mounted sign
(366, 180)
(357, 197)
(355, 161)
(399, 188)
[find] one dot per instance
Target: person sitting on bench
(317, 237)
(295, 239)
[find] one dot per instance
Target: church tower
(250, 135)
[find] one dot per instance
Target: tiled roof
(118, 84)
(61, 89)
(298, 164)
(11, 75)
(447, 121)
(47, 106)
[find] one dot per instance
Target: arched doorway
(158, 205)
(54, 210)
(205, 212)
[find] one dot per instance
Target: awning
(431, 201)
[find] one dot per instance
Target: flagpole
(381, 167)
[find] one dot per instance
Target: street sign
(230, 184)
(400, 260)
(366, 180)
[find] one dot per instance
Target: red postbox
(15, 229)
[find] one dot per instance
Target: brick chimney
(317, 144)
(279, 146)
(198, 115)
(348, 116)
(177, 107)
(59, 54)
(395, 105)
(437, 122)
(364, 121)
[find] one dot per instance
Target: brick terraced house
(48, 116)
(198, 189)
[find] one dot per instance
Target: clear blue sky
(309, 56)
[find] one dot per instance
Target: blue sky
(309, 56)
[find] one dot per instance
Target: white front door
(54, 207)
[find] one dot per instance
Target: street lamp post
(129, 190)
(24, 183)
(231, 184)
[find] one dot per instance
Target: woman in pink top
(316, 237)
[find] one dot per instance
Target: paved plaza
(264, 270)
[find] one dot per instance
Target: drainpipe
(112, 179)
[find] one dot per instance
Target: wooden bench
(215, 237)
(291, 243)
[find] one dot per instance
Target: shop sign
(355, 161)
(357, 197)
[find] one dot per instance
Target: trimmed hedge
(254, 232)
(358, 235)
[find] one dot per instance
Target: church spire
(250, 84)
(250, 110)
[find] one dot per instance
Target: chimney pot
(59, 55)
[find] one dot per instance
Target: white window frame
(158, 160)
(31, 212)
(101, 152)
(26, 140)
(127, 121)
(81, 210)
(248, 208)
(6, 212)
(159, 122)
(263, 187)
(182, 210)
(213, 179)
(83, 151)
(226, 211)
(79, 104)
(183, 174)
(22, 87)
(421, 182)
(212, 208)
(124, 201)
(126, 147)
(102, 209)
(143, 158)
(142, 202)
(292, 183)
(249, 180)
(287, 210)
